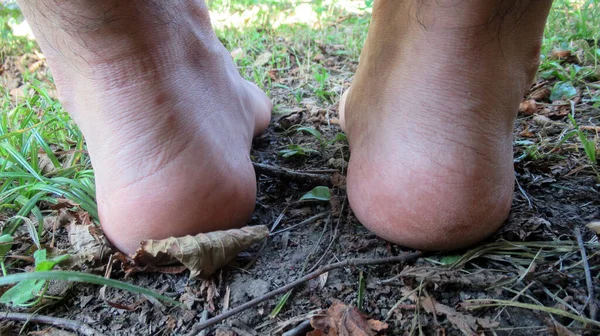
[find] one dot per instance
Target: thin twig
(333, 238)
(290, 175)
(77, 326)
(300, 329)
(588, 277)
(346, 263)
(304, 222)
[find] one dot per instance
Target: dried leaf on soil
(202, 254)
(343, 320)
(541, 94)
(442, 276)
(88, 243)
(467, 323)
(594, 226)
(528, 107)
(263, 59)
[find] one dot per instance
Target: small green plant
(24, 293)
(296, 150)
(361, 290)
(322, 77)
(6, 242)
(320, 193)
(339, 137)
(589, 146)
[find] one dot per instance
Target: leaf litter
(202, 254)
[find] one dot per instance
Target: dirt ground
(534, 259)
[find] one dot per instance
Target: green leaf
(320, 193)
(17, 157)
(296, 150)
(340, 137)
(311, 131)
(280, 304)
(82, 277)
(449, 260)
(361, 290)
(562, 90)
(6, 241)
(22, 293)
(39, 256)
(48, 265)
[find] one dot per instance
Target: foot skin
(429, 117)
(167, 118)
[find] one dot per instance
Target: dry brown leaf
(466, 323)
(528, 107)
(225, 332)
(342, 320)
(443, 276)
(88, 244)
(318, 58)
(45, 164)
(51, 332)
(377, 325)
(541, 94)
(559, 329)
(18, 93)
(263, 59)
(594, 226)
(237, 53)
(564, 55)
(202, 254)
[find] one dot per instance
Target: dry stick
(346, 263)
(77, 326)
(300, 329)
(588, 277)
(290, 175)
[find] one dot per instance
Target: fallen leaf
(594, 226)
(202, 254)
(45, 164)
(341, 319)
(225, 332)
(444, 276)
(559, 329)
(543, 121)
(377, 325)
(18, 93)
(87, 243)
(564, 55)
(237, 53)
(541, 94)
(465, 323)
(263, 59)
(318, 58)
(563, 90)
(273, 74)
(527, 133)
(560, 54)
(51, 332)
(320, 193)
(528, 107)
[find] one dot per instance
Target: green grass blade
(16, 156)
(361, 291)
(85, 278)
(280, 304)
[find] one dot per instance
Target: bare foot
(167, 118)
(430, 117)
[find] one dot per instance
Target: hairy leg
(430, 117)
(167, 119)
